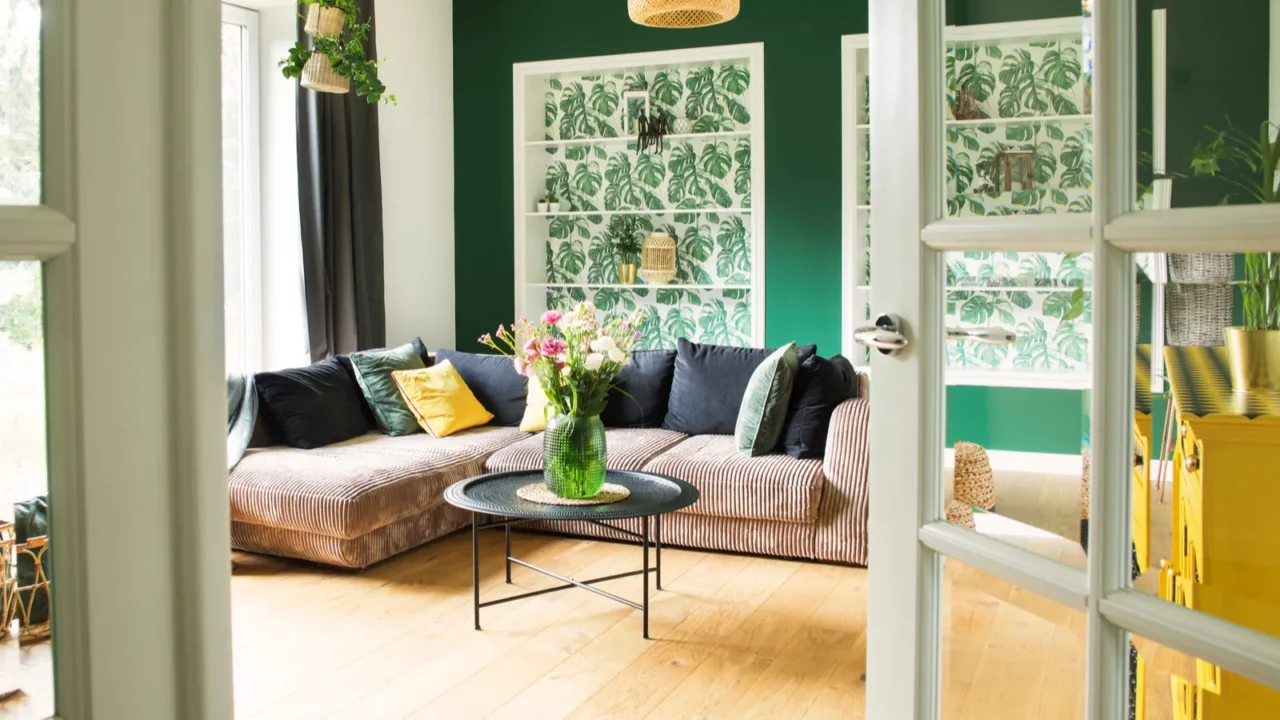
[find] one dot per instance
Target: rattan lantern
(658, 258)
(320, 76)
(682, 13)
(324, 22)
(975, 486)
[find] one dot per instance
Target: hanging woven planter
(320, 76)
(682, 13)
(324, 21)
(658, 259)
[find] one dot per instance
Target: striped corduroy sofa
(357, 502)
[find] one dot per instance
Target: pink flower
(501, 329)
(485, 339)
(551, 317)
(522, 367)
(553, 346)
(531, 347)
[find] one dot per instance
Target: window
(242, 255)
(19, 102)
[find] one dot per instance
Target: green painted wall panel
(1046, 421)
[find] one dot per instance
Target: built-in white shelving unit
(573, 135)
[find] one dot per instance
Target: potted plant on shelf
(553, 202)
(542, 205)
(575, 358)
(1253, 350)
(334, 60)
(626, 244)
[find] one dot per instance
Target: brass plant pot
(627, 273)
(1254, 359)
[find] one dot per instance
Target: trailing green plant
(345, 52)
(1249, 162)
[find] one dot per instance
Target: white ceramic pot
(542, 207)
(555, 207)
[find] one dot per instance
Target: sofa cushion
(494, 381)
(373, 370)
(820, 386)
(312, 406)
(708, 385)
(764, 404)
(628, 449)
(641, 390)
(348, 489)
(770, 487)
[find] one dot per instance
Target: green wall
(802, 143)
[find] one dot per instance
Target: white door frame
(129, 234)
(908, 533)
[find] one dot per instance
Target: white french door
(913, 548)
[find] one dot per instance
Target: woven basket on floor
(1196, 314)
(682, 13)
(960, 514)
(319, 75)
(324, 21)
(974, 484)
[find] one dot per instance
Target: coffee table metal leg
(475, 566)
(645, 543)
(658, 547)
(507, 529)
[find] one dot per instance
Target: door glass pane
(233, 197)
(1205, 99)
(1207, 439)
(1165, 683)
(1017, 376)
(1008, 654)
(26, 659)
(19, 102)
(1019, 123)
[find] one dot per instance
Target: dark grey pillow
(314, 406)
(647, 382)
(820, 386)
(708, 385)
(494, 381)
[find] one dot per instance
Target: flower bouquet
(575, 358)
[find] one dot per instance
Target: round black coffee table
(495, 494)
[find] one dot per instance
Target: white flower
(616, 355)
(566, 370)
(604, 345)
(594, 361)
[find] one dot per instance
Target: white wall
(415, 38)
(284, 322)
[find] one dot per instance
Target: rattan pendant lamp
(682, 13)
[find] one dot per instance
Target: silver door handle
(885, 336)
(984, 335)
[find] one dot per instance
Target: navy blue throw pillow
(494, 381)
(820, 386)
(313, 406)
(709, 382)
(639, 397)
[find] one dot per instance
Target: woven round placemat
(538, 493)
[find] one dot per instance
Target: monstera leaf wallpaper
(1042, 81)
(711, 175)
(1027, 292)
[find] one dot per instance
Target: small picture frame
(634, 103)
(1017, 171)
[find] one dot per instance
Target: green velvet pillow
(764, 405)
(373, 370)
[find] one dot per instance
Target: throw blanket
(242, 415)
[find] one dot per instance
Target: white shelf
(668, 211)
(864, 207)
(632, 138)
(862, 126)
(1021, 120)
(1015, 288)
(639, 286)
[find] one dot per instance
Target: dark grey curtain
(340, 199)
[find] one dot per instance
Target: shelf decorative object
(575, 358)
(658, 258)
(333, 61)
(682, 13)
(626, 246)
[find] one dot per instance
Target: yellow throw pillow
(535, 409)
(440, 400)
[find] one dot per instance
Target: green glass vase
(573, 455)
